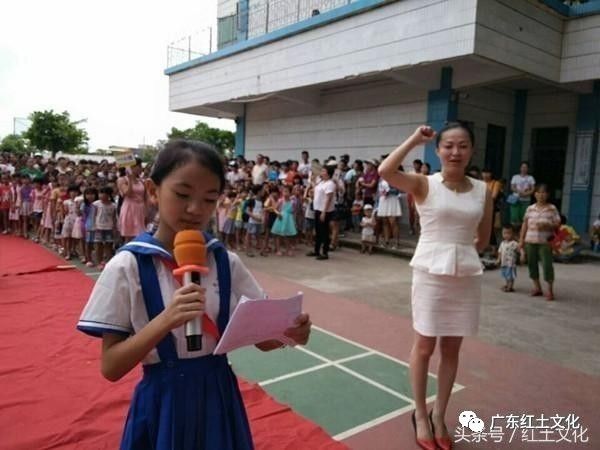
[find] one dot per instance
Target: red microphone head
(189, 248)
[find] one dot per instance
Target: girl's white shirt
(116, 302)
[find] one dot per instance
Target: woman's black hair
(73, 188)
(89, 190)
(122, 171)
(179, 152)
(453, 125)
(330, 170)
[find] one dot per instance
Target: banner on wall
(583, 159)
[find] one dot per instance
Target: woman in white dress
(388, 211)
(456, 218)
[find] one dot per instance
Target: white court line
(389, 416)
(92, 274)
(311, 369)
(293, 374)
(376, 352)
(377, 421)
(359, 376)
(372, 423)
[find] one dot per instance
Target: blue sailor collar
(146, 244)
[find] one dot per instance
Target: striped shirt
(541, 222)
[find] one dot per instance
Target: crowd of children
(75, 207)
(68, 206)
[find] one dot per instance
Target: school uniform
(186, 400)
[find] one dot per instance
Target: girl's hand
(300, 332)
(322, 216)
(423, 135)
(188, 303)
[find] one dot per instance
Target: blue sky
(100, 60)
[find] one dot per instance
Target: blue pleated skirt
(187, 404)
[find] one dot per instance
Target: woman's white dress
(388, 204)
(447, 272)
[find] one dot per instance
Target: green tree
(14, 143)
(148, 153)
(56, 132)
(221, 139)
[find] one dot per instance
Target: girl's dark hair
(330, 170)
(453, 125)
(179, 152)
(122, 171)
(542, 187)
(73, 187)
(108, 191)
(89, 190)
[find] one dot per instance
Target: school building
(358, 76)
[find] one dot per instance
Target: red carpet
(53, 396)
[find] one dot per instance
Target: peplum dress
(447, 272)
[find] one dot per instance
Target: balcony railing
(265, 16)
(261, 17)
(191, 47)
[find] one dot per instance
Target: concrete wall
(581, 49)
(484, 106)
(401, 33)
(553, 109)
(520, 35)
(226, 8)
(365, 122)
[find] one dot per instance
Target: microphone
(189, 250)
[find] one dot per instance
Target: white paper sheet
(255, 321)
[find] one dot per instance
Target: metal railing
(194, 46)
(261, 17)
(265, 16)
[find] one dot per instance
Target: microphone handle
(193, 328)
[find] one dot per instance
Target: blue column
(442, 107)
(240, 134)
(516, 147)
(242, 25)
(584, 170)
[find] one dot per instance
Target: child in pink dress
(133, 211)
